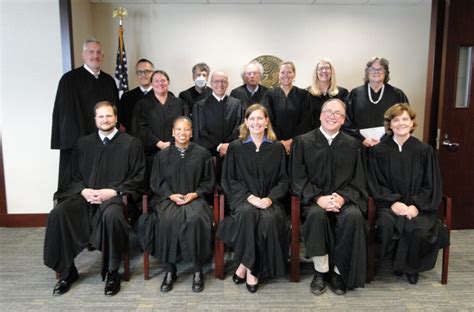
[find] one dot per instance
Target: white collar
(327, 136)
(146, 90)
(110, 136)
(218, 98)
(96, 75)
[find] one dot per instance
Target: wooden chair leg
(126, 253)
(447, 221)
(295, 240)
(444, 272)
(219, 245)
(146, 255)
(371, 241)
(146, 265)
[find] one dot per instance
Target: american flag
(121, 75)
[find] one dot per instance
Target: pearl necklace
(370, 94)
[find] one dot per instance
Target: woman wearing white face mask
(200, 89)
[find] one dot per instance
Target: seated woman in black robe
(254, 179)
(406, 185)
(181, 224)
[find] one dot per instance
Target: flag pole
(121, 74)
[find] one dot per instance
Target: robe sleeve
(134, 181)
(158, 183)
(65, 129)
(200, 132)
(402, 98)
(234, 186)
(281, 188)
(429, 196)
(378, 184)
(77, 183)
(142, 128)
(208, 178)
(300, 183)
(306, 114)
(356, 191)
(349, 125)
(239, 119)
(268, 103)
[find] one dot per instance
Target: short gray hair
(89, 40)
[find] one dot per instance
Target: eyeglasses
(336, 114)
(222, 82)
(143, 72)
(324, 69)
(376, 70)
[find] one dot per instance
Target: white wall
(175, 37)
(31, 65)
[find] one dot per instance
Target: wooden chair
(444, 212)
(295, 240)
(219, 245)
(219, 198)
(126, 254)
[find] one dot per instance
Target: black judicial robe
(153, 121)
(127, 105)
(260, 237)
(172, 231)
(191, 96)
(316, 103)
(319, 169)
(412, 177)
(246, 97)
(290, 115)
(73, 223)
(361, 113)
(73, 112)
(217, 122)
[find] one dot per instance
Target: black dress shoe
(237, 279)
(198, 282)
(398, 273)
(412, 278)
(336, 284)
(112, 283)
(252, 288)
(168, 281)
(64, 284)
(318, 284)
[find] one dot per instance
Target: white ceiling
(287, 2)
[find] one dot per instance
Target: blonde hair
(315, 88)
(244, 132)
(288, 63)
(397, 110)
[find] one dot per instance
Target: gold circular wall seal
(271, 68)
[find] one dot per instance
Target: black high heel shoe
(252, 288)
(237, 279)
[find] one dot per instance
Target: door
(456, 114)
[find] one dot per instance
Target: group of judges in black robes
(326, 168)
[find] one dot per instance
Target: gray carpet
(26, 285)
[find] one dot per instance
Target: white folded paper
(373, 133)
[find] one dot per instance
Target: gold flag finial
(121, 13)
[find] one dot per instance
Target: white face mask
(200, 82)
